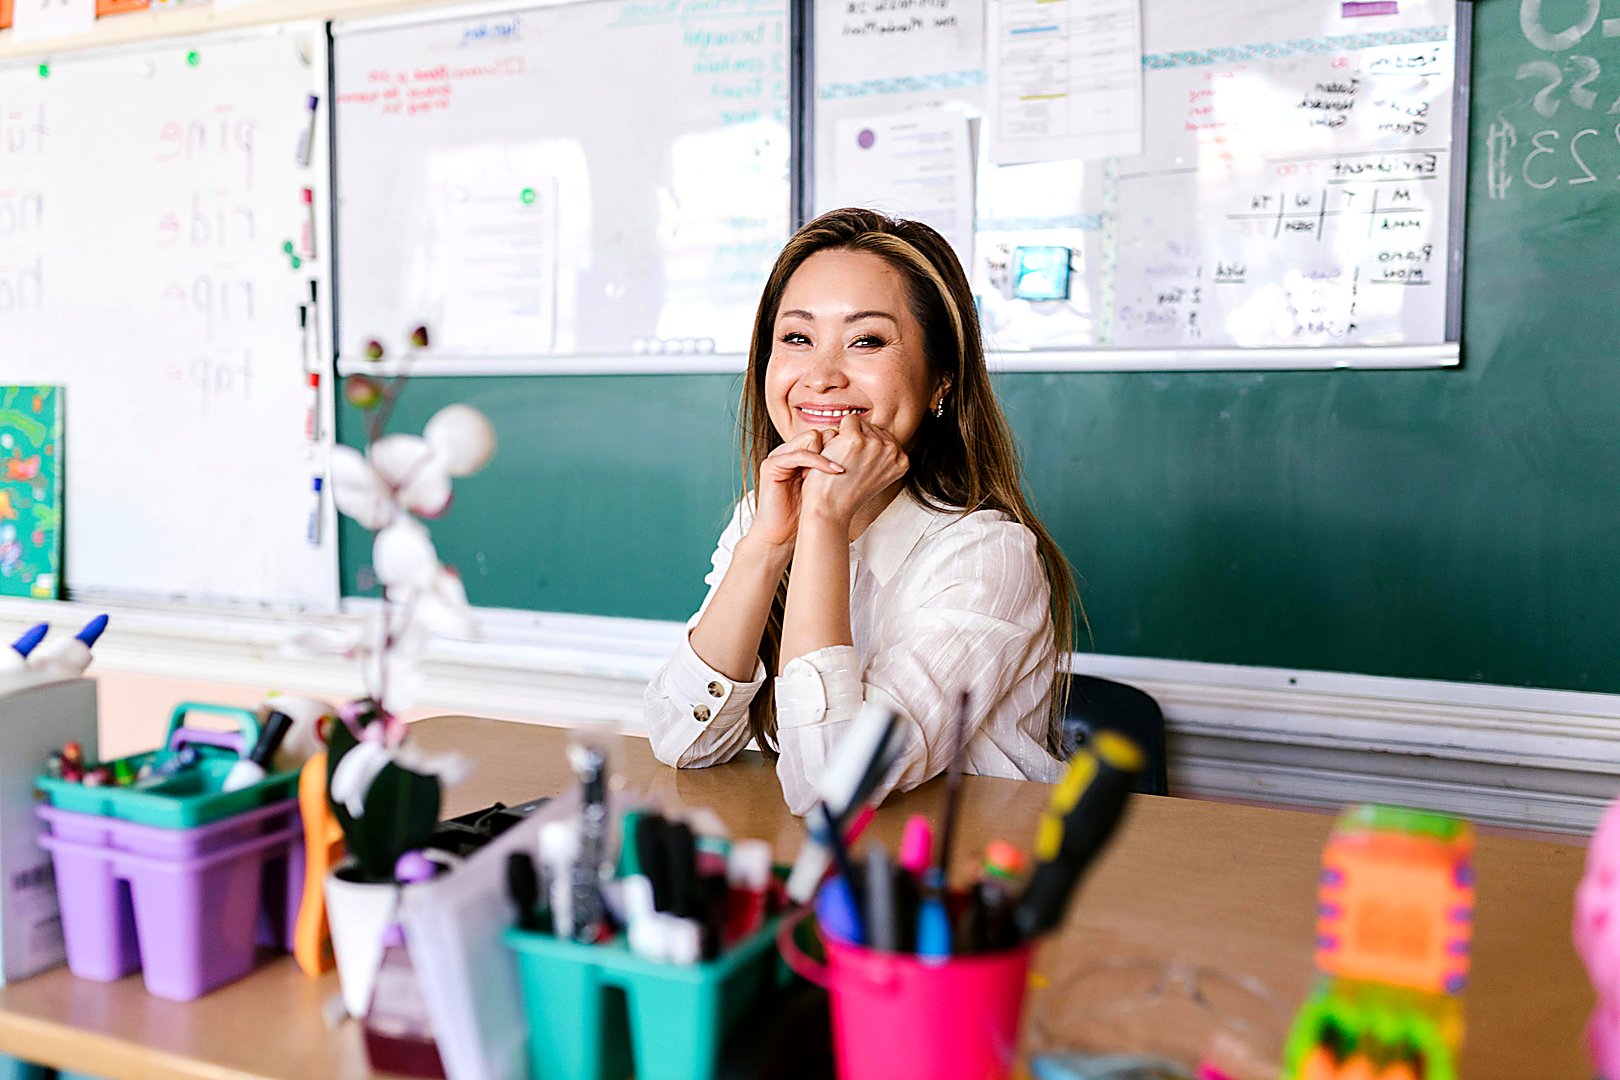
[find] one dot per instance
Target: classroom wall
(135, 708)
(1445, 525)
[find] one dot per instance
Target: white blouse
(939, 603)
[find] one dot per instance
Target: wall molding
(1539, 759)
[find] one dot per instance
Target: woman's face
(845, 340)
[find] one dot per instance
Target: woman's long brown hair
(943, 473)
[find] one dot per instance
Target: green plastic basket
(191, 797)
(675, 1017)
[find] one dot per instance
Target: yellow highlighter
(323, 850)
(1085, 807)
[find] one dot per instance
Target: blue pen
(838, 893)
(835, 910)
(933, 921)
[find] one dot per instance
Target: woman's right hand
(781, 478)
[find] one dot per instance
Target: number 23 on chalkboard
(1551, 157)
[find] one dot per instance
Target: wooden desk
(1208, 884)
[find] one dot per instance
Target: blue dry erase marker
(69, 657)
(30, 638)
(306, 138)
(312, 531)
(16, 658)
(92, 630)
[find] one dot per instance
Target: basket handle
(179, 735)
(797, 960)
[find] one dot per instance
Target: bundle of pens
(679, 888)
(912, 907)
(665, 909)
(908, 953)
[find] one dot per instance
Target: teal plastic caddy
(191, 797)
(675, 1017)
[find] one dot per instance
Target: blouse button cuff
(700, 713)
(717, 689)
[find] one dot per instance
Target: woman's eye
(793, 337)
(868, 341)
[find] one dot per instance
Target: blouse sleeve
(695, 715)
(974, 615)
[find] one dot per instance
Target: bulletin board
(1272, 185)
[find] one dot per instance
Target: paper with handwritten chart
(1293, 194)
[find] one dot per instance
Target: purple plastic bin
(120, 835)
(188, 907)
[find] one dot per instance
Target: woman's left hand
(872, 460)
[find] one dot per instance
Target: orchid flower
(398, 480)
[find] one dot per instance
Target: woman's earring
(939, 410)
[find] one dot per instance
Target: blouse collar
(886, 543)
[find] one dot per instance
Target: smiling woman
(885, 551)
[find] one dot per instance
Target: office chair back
(1097, 704)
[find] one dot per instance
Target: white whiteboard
(1293, 205)
(588, 179)
(142, 215)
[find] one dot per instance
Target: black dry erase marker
(680, 860)
(654, 860)
(1085, 808)
(523, 886)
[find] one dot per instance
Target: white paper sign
(914, 164)
(32, 20)
(1065, 79)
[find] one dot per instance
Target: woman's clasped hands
(825, 474)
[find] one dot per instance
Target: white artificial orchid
(386, 489)
(462, 438)
(360, 767)
(357, 489)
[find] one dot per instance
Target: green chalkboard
(1460, 525)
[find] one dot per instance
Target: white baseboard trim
(1540, 759)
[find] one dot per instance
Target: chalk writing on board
(1562, 134)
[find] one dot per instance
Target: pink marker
(917, 845)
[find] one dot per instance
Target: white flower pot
(359, 913)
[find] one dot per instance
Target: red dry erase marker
(748, 873)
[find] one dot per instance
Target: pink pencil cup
(897, 1017)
